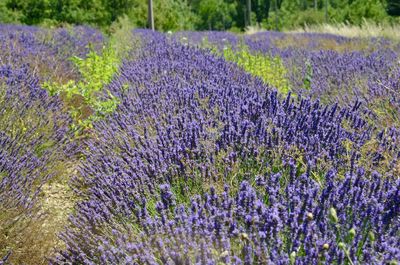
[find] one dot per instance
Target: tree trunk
(267, 8)
(248, 9)
(276, 16)
(326, 11)
(150, 16)
(304, 4)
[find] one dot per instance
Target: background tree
(261, 8)
(8, 14)
(200, 14)
(393, 7)
(214, 14)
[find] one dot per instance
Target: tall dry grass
(366, 30)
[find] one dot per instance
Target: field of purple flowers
(269, 148)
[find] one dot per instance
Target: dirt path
(33, 237)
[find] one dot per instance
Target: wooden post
(150, 16)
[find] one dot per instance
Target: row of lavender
(366, 70)
(204, 164)
(200, 124)
(34, 131)
(329, 67)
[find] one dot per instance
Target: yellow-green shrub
(83, 97)
(270, 69)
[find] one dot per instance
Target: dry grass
(296, 41)
(253, 29)
(359, 37)
(365, 30)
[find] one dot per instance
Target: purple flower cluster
(46, 52)
(332, 68)
(204, 164)
(359, 69)
(34, 131)
(281, 221)
(35, 138)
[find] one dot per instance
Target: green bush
(270, 69)
(84, 98)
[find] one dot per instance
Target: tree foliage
(199, 14)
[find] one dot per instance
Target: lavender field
(198, 148)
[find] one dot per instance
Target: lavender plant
(204, 164)
(204, 160)
(35, 139)
(282, 221)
